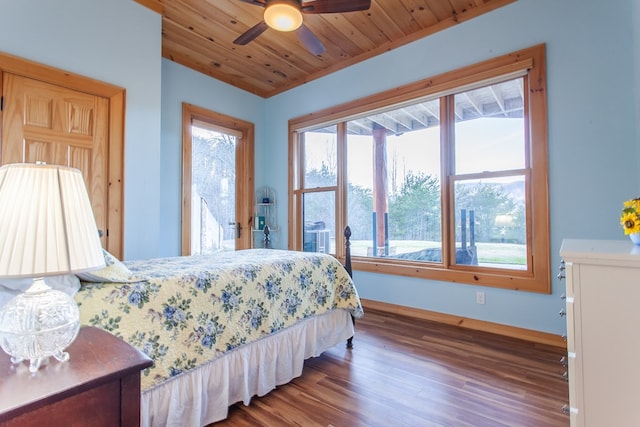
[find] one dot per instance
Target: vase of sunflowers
(630, 219)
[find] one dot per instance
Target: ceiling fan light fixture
(283, 16)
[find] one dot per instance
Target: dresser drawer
(99, 386)
(97, 407)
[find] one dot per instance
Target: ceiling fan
(286, 15)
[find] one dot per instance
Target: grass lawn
(503, 255)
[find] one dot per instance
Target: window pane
(491, 223)
(319, 215)
(213, 190)
(320, 157)
(393, 191)
(490, 128)
(360, 192)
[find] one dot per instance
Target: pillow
(9, 288)
(114, 272)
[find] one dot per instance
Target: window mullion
(447, 122)
(295, 184)
(341, 190)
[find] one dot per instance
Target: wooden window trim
(538, 277)
(244, 170)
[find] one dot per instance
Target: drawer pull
(562, 268)
(565, 409)
(562, 313)
(565, 375)
(564, 337)
(563, 297)
(563, 361)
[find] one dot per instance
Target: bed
(220, 328)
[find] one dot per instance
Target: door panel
(48, 123)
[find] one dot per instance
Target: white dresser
(603, 331)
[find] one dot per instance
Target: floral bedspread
(188, 310)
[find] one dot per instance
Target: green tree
(359, 209)
(487, 201)
(320, 206)
(415, 213)
(323, 177)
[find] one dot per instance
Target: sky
(419, 151)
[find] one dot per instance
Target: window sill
(490, 277)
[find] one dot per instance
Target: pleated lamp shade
(47, 228)
(47, 225)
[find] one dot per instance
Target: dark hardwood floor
(408, 372)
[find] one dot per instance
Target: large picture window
(443, 179)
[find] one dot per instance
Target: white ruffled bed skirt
(204, 394)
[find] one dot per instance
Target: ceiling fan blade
(256, 2)
(251, 33)
(335, 6)
(310, 41)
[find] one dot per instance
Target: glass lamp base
(37, 324)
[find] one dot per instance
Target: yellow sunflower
(630, 222)
(633, 204)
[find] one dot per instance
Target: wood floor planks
(410, 372)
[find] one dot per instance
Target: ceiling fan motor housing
(283, 15)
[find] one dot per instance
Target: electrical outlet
(479, 297)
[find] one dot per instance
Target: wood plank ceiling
(199, 34)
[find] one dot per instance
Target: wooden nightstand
(98, 386)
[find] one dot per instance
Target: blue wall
(181, 84)
(593, 70)
(118, 42)
(593, 141)
(635, 17)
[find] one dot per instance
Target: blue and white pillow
(113, 272)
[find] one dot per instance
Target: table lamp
(47, 228)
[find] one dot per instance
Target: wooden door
(49, 123)
(243, 133)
